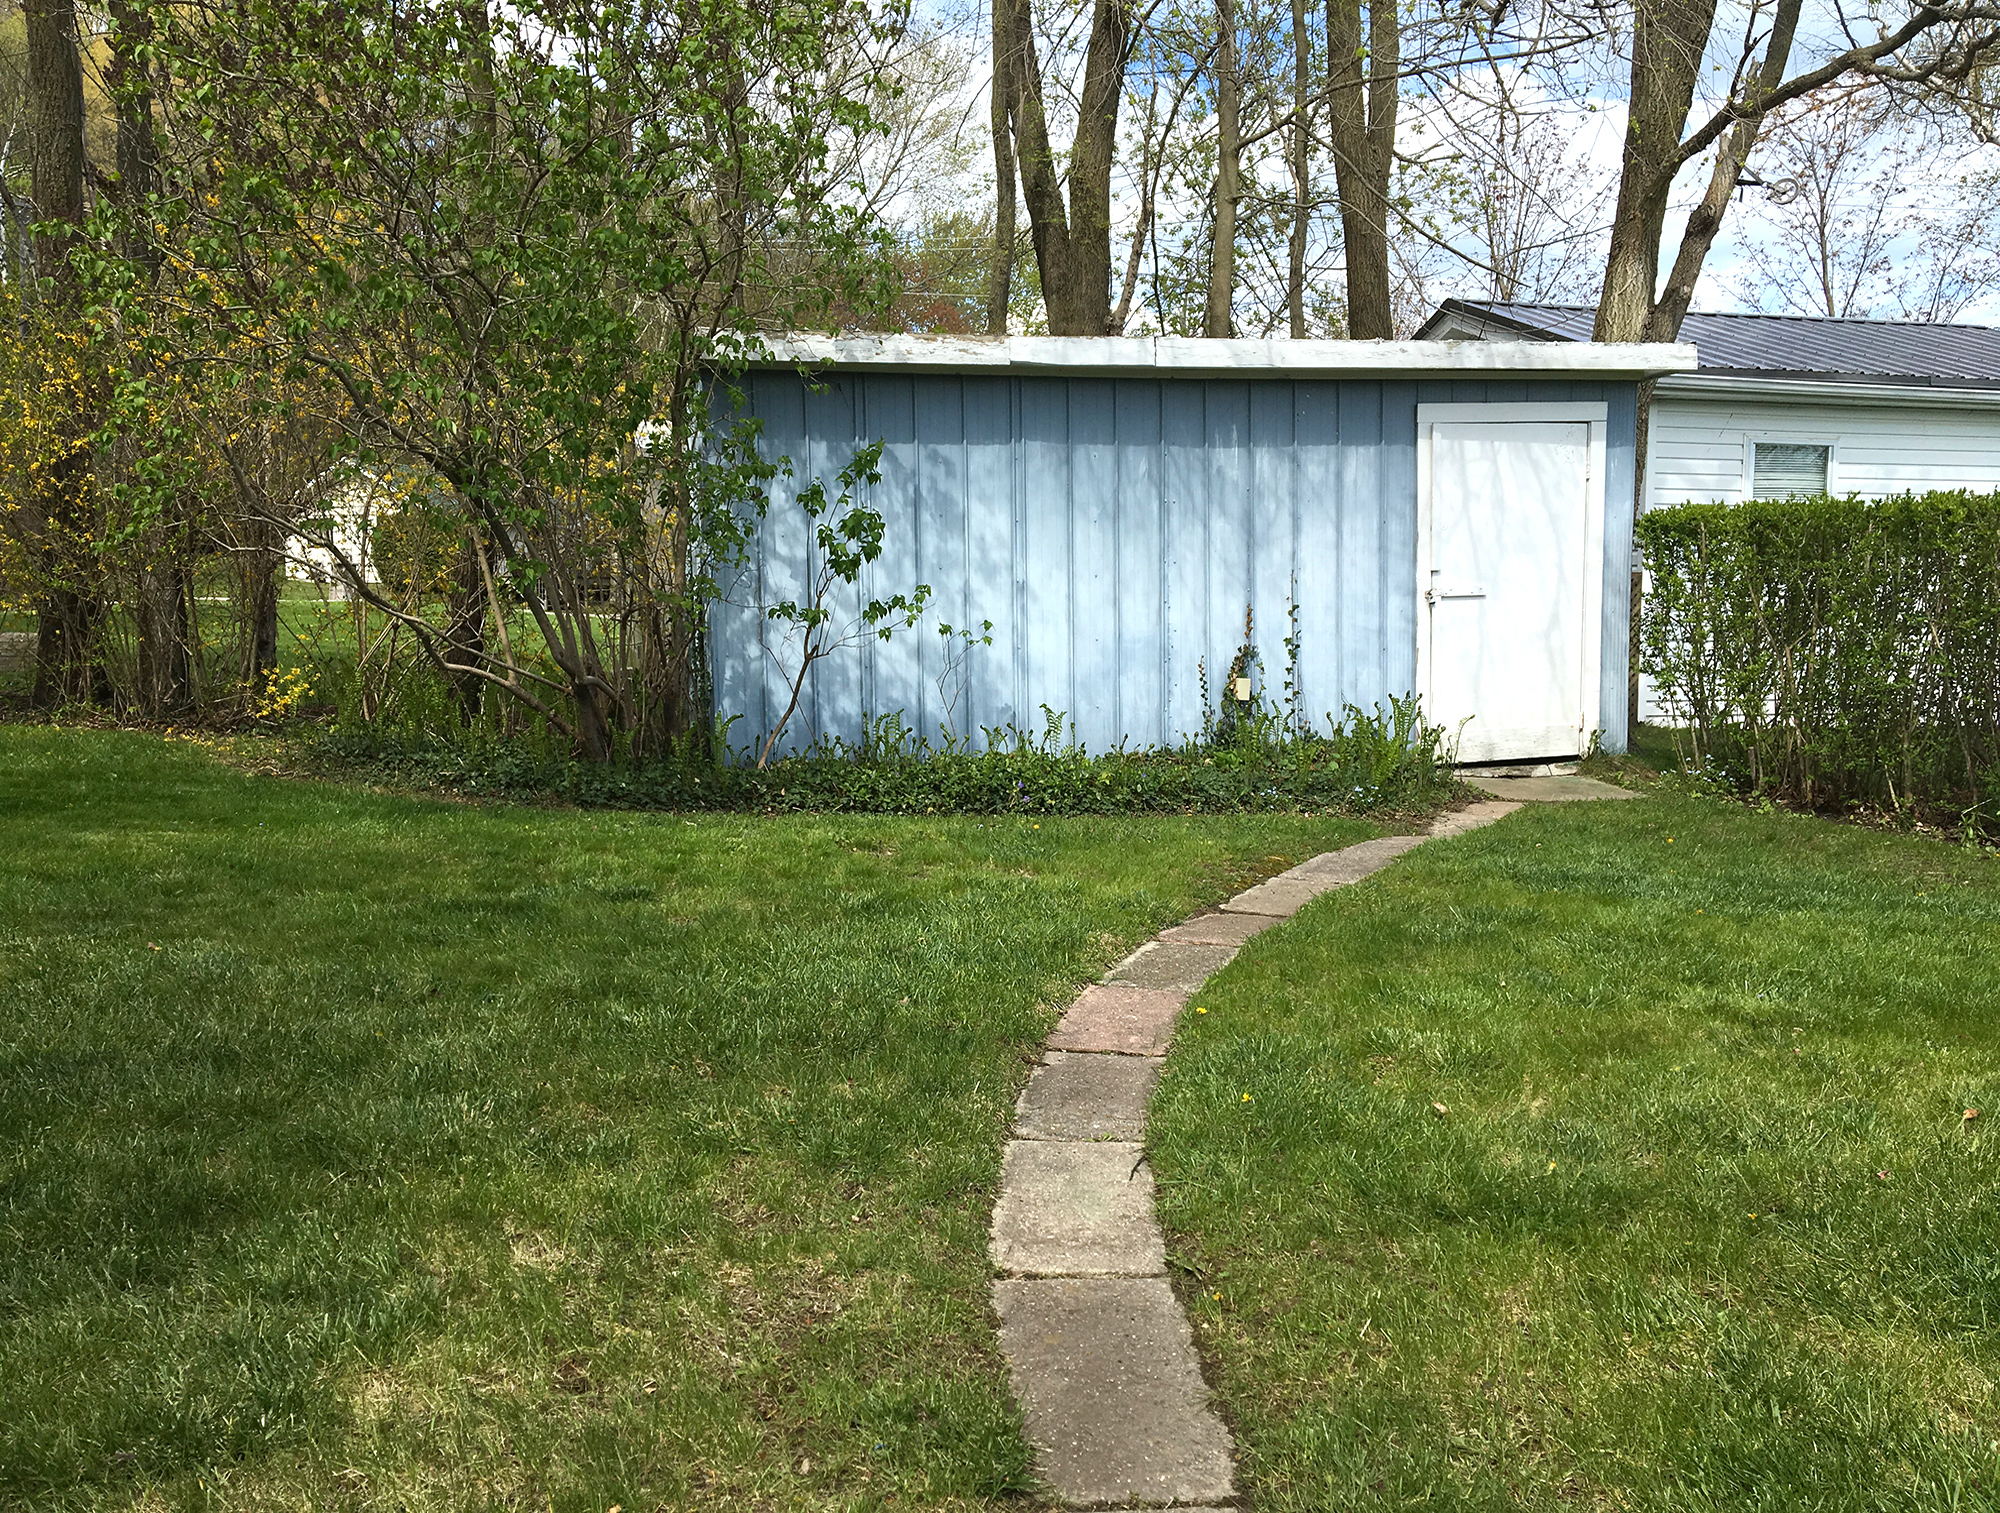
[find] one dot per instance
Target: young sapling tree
(846, 537)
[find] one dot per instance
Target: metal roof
(1913, 353)
(1202, 357)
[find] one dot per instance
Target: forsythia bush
(284, 692)
(1833, 650)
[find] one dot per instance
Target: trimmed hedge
(1370, 763)
(1833, 651)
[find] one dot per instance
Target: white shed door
(1507, 556)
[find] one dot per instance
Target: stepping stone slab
(1220, 929)
(1289, 892)
(1076, 1209)
(1129, 1021)
(1551, 790)
(1339, 868)
(1111, 1392)
(1175, 965)
(1079, 1097)
(1471, 817)
(1279, 899)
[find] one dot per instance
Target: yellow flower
(1246, 1097)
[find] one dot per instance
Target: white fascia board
(1926, 396)
(891, 351)
(1200, 357)
(1634, 360)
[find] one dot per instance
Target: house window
(1789, 470)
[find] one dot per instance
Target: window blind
(1789, 470)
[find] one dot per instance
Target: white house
(1785, 404)
(338, 532)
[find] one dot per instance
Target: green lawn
(1700, 1224)
(364, 1152)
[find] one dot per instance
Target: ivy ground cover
(364, 1152)
(1615, 1156)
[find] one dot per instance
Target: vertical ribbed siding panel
(1621, 436)
(1093, 506)
(889, 413)
(833, 433)
(1396, 562)
(940, 544)
(1316, 427)
(990, 571)
(782, 563)
(1113, 531)
(1274, 536)
(1231, 528)
(1045, 556)
(1359, 472)
(735, 634)
(1185, 551)
(1140, 714)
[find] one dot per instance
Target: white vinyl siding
(1702, 448)
(1787, 469)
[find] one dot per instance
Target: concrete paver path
(1099, 1353)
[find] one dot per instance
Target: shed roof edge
(1205, 357)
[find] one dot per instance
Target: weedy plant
(1256, 753)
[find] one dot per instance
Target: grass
(1615, 1156)
(367, 1152)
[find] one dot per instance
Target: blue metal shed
(1115, 506)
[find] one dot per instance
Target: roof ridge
(1820, 320)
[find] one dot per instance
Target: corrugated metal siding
(1114, 530)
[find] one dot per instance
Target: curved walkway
(1100, 1354)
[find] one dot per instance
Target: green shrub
(1833, 651)
(1390, 759)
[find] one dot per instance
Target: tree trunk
(166, 680)
(673, 691)
(1669, 39)
(55, 134)
(138, 154)
(465, 623)
(263, 577)
(160, 599)
(1000, 280)
(1073, 241)
(159, 608)
(258, 537)
(70, 609)
(1295, 273)
(1731, 153)
(1228, 174)
(1143, 227)
(1364, 84)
